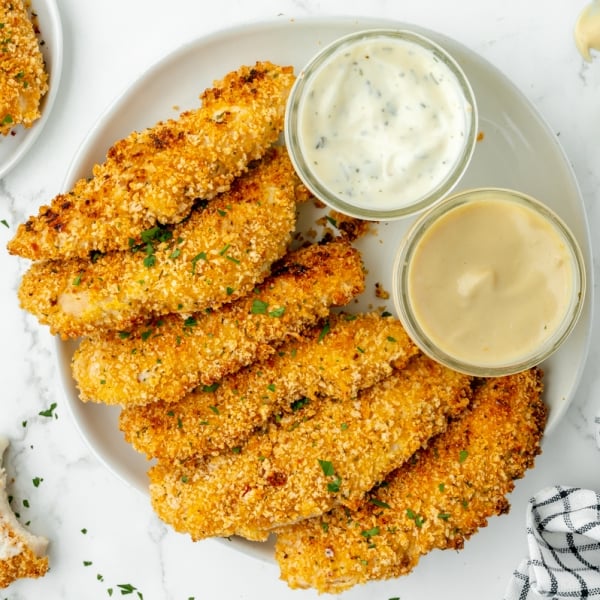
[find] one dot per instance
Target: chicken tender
(168, 358)
(156, 175)
(303, 467)
(22, 554)
(338, 359)
(23, 76)
(217, 255)
(437, 500)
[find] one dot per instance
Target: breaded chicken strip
(169, 357)
(23, 76)
(22, 554)
(217, 255)
(155, 175)
(437, 500)
(349, 353)
(303, 467)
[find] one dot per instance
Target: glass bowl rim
(401, 270)
(323, 193)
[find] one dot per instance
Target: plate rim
(255, 27)
(56, 45)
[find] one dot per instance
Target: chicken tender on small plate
(156, 175)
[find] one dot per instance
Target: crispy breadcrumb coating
(304, 466)
(23, 76)
(437, 500)
(217, 255)
(22, 554)
(168, 358)
(338, 359)
(156, 175)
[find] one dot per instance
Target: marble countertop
(103, 533)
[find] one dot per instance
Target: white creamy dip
(383, 122)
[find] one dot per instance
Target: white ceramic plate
(14, 147)
(518, 150)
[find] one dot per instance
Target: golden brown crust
(23, 76)
(22, 554)
(167, 359)
(155, 175)
(436, 501)
(217, 255)
(303, 466)
(24, 564)
(338, 359)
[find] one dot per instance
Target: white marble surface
(107, 44)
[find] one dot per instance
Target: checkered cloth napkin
(563, 535)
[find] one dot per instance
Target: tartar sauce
(587, 30)
(383, 122)
(491, 281)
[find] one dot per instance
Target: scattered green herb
(210, 388)
(462, 456)
(369, 533)
(379, 503)
(413, 516)
(300, 403)
(49, 412)
(259, 307)
(324, 331)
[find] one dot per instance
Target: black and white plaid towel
(563, 535)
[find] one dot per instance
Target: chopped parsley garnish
(4, 222)
(391, 339)
(379, 503)
(49, 412)
(210, 388)
(190, 322)
(77, 280)
(444, 516)
(200, 256)
(146, 334)
(369, 533)
(7, 120)
(462, 456)
(324, 331)
(300, 403)
(36, 481)
(259, 307)
(413, 516)
(87, 563)
(124, 334)
(329, 471)
(277, 312)
(327, 468)
(214, 409)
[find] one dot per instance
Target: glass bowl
(489, 282)
(381, 124)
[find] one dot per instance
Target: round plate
(14, 147)
(518, 150)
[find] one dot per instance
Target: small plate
(518, 150)
(14, 147)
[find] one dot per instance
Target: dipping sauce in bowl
(381, 124)
(489, 282)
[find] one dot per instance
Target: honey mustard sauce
(491, 281)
